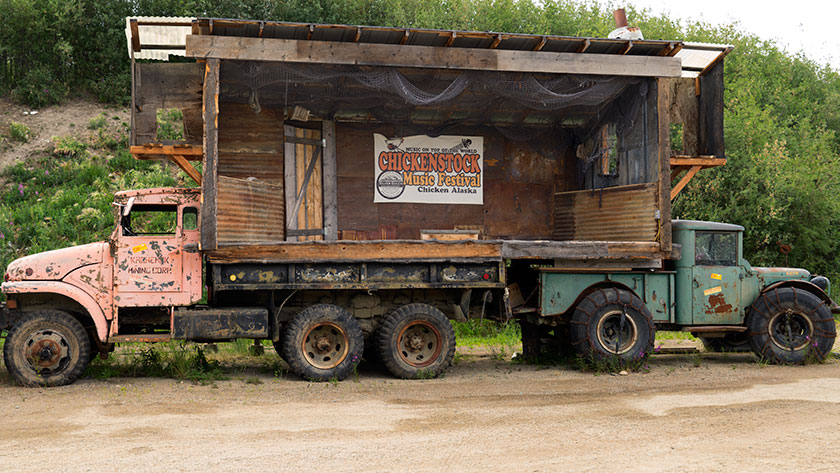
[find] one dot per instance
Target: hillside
(59, 169)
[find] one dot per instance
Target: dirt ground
(69, 119)
(689, 413)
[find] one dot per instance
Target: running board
(140, 338)
(715, 328)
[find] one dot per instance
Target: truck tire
(416, 341)
(597, 329)
(47, 348)
(323, 342)
(732, 342)
(790, 326)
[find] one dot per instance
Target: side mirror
(127, 209)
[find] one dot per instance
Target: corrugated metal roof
(698, 57)
(157, 32)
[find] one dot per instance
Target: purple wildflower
(46, 172)
(20, 189)
(2, 236)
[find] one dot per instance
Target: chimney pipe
(620, 18)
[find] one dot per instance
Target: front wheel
(47, 348)
(612, 322)
(790, 326)
(323, 342)
(416, 341)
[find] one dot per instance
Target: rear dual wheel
(416, 341)
(322, 342)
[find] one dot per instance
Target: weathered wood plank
(635, 253)
(330, 182)
(288, 50)
(210, 99)
(392, 250)
(580, 250)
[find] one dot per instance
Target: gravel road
(727, 414)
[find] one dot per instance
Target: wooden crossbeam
(159, 151)
(324, 52)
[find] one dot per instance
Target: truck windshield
(716, 248)
(151, 220)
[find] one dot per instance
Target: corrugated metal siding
(623, 213)
(249, 210)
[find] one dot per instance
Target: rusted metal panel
(220, 324)
(368, 276)
(622, 213)
(249, 211)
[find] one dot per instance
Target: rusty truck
(360, 187)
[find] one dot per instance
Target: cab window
(716, 248)
(150, 220)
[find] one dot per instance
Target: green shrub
(19, 132)
(97, 122)
(68, 146)
(114, 88)
(40, 88)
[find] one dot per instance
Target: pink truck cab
(73, 298)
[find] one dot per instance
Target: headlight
(821, 282)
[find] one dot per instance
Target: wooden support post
(330, 182)
(135, 35)
(663, 99)
(210, 182)
(187, 167)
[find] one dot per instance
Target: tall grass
(483, 332)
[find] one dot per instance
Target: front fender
(63, 289)
(807, 286)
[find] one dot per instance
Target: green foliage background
(782, 111)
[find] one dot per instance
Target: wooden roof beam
(322, 52)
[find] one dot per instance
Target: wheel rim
(47, 352)
(611, 334)
(419, 343)
(325, 345)
(791, 330)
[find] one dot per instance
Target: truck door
(716, 292)
(150, 258)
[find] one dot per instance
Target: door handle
(696, 283)
(191, 248)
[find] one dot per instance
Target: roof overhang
(159, 37)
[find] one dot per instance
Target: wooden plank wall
(622, 213)
(518, 195)
(167, 85)
(251, 206)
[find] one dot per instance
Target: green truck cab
(782, 314)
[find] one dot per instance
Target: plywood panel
(167, 86)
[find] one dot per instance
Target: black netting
(429, 98)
